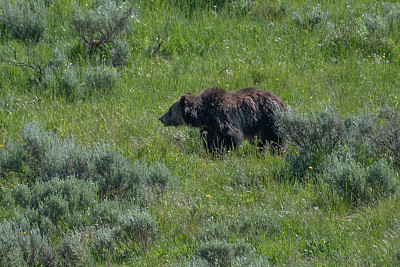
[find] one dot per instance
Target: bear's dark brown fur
(225, 119)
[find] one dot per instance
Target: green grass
(176, 49)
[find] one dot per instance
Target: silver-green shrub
(119, 53)
(357, 184)
(113, 173)
(221, 252)
(347, 177)
(213, 231)
(106, 213)
(314, 135)
(25, 20)
(138, 227)
(37, 141)
(24, 247)
(256, 222)
(320, 133)
(55, 208)
(101, 80)
(387, 135)
(11, 158)
(311, 18)
(391, 13)
(102, 24)
(73, 252)
(382, 179)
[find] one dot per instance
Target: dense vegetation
(88, 175)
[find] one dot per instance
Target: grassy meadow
(90, 177)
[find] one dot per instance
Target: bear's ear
(188, 107)
(183, 100)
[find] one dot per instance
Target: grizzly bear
(226, 118)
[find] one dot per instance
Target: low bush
(137, 227)
(50, 158)
(119, 53)
(24, 247)
(256, 223)
(347, 177)
(318, 133)
(102, 24)
(73, 252)
(213, 231)
(357, 184)
(11, 158)
(366, 33)
(314, 135)
(221, 252)
(387, 135)
(25, 20)
(37, 141)
(64, 159)
(193, 261)
(381, 179)
(310, 18)
(106, 213)
(114, 175)
(158, 176)
(103, 244)
(77, 193)
(55, 208)
(102, 80)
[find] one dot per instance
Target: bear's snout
(161, 119)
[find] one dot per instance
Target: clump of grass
(255, 223)
(25, 20)
(216, 230)
(102, 81)
(238, 174)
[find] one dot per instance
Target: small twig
(19, 64)
(37, 68)
(224, 69)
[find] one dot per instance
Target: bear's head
(183, 112)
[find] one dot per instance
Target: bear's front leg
(222, 141)
(211, 141)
